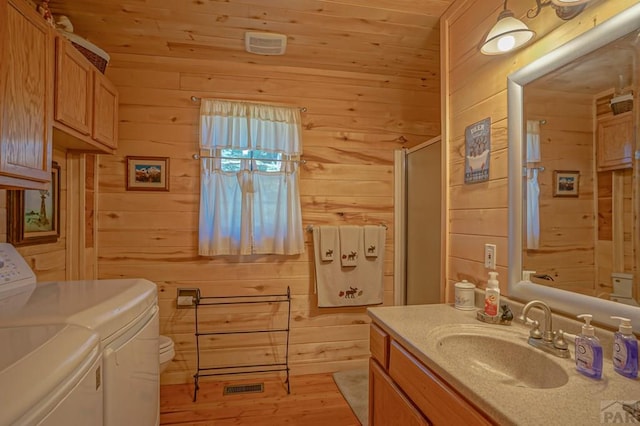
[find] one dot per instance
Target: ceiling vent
(265, 43)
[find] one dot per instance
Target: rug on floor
(354, 386)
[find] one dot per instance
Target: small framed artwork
(33, 215)
(566, 183)
(147, 173)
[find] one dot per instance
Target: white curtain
(250, 211)
(533, 188)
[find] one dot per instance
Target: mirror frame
(560, 300)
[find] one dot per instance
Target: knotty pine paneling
(48, 261)
(354, 122)
(567, 224)
(475, 87)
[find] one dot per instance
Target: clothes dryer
(124, 315)
(50, 375)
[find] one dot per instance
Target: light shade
(506, 35)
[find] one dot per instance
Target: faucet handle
(558, 340)
(535, 330)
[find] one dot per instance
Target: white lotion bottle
(492, 296)
(625, 349)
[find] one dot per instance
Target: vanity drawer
(379, 345)
(440, 403)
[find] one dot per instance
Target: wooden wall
(354, 122)
(567, 224)
(475, 87)
(48, 261)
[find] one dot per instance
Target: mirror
(570, 250)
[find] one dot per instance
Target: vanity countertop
(580, 401)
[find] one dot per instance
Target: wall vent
(265, 43)
(236, 389)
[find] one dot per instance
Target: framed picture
(147, 173)
(33, 215)
(566, 183)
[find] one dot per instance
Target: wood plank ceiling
(388, 37)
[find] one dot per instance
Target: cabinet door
(387, 403)
(615, 141)
(433, 396)
(25, 145)
(74, 88)
(105, 114)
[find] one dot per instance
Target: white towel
(337, 285)
(350, 243)
(328, 239)
(371, 239)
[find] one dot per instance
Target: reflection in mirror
(578, 215)
(573, 178)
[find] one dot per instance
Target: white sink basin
(498, 354)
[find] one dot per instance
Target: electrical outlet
(490, 256)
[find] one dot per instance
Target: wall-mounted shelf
(223, 370)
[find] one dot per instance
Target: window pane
(264, 161)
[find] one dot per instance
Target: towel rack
(245, 368)
(309, 228)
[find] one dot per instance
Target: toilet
(167, 352)
(622, 289)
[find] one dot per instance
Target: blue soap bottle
(588, 350)
(625, 350)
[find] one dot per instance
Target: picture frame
(33, 215)
(566, 183)
(147, 173)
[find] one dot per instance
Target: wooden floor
(314, 400)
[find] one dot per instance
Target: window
(249, 197)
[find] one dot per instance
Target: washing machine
(50, 375)
(124, 315)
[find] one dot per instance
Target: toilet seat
(166, 352)
(165, 343)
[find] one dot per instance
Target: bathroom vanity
(433, 364)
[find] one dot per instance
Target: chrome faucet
(548, 340)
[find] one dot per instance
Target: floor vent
(236, 389)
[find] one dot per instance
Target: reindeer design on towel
(371, 249)
(352, 255)
(329, 253)
(350, 294)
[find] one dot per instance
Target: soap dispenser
(588, 350)
(625, 349)
(492, 296)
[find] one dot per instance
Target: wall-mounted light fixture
(510, 33)
(565, 9)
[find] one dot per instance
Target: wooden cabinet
(379, 343)
(86, 103)
(392, 407)
(26, 115)
(408, 389)
(615, 142)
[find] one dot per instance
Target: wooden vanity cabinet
(390, 405)
(410, 391)
(86, 103)
(27, 91)
(615, 142)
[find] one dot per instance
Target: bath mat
(354, 386)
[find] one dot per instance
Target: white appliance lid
(104, 306)
(40, 363)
